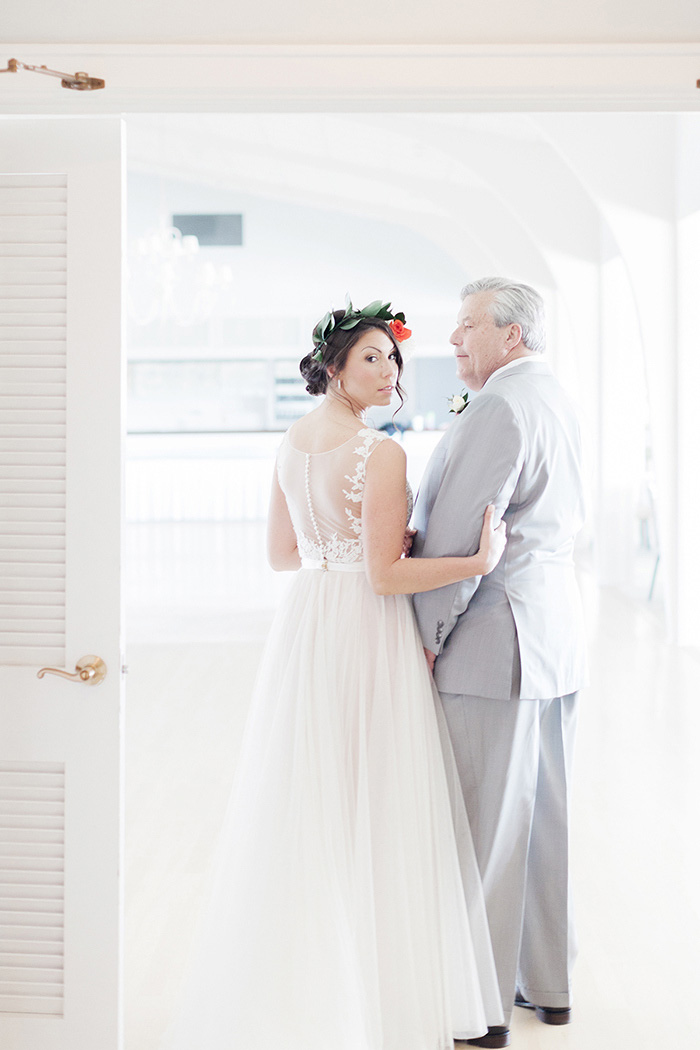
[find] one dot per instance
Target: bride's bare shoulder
(307, 425)
(306, 431)
(387, 454)
(315, 433)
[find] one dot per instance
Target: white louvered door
(61, 188)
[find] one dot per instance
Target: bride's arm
(383, 527)
(282, 552)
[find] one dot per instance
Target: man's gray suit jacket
(518, 632)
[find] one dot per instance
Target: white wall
(644, 172)
(362, 22)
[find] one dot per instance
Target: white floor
(193, 654)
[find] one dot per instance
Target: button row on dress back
(307, 487)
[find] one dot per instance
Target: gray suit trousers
(514, 759)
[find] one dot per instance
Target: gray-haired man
(507, 649)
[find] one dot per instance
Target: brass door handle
(89, 669)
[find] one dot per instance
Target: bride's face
(371, 370)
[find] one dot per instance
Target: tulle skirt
(345, 909)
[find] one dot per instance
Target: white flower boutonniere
(458, 402)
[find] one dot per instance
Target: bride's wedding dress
(346, 909)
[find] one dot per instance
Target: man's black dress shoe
(494, 1039)
(546, 1014)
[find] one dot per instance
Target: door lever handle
(89, 669)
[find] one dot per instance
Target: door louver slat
(33, 264)
(32, 817)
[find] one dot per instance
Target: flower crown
(352, 317)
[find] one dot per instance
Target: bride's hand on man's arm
(492, 542)
(491, 547)
(407, 545)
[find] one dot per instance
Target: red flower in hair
(400, 331)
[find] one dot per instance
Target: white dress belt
(333, 566)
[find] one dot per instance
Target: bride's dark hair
(335, 353)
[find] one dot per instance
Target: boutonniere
(458, 402)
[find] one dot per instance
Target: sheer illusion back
(324, 492)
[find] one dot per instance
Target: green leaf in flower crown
(374, 309)
(320, 332)
(351, 318)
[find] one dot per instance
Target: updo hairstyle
(335, 353)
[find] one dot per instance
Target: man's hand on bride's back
(492, 542)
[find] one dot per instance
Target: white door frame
(382, 77)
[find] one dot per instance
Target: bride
(345, 911)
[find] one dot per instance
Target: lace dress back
(324, 492)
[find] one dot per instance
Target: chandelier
(167, 279)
